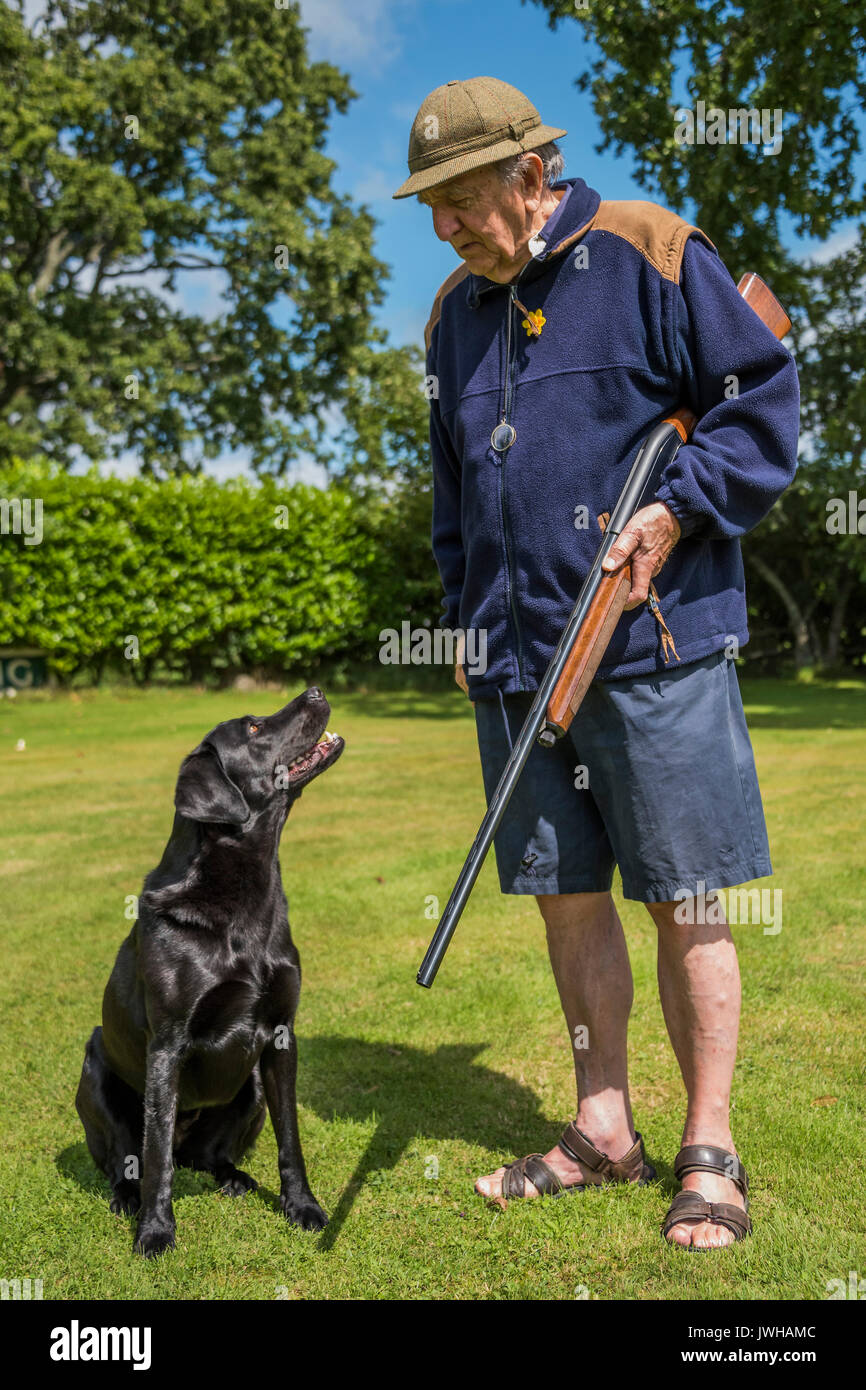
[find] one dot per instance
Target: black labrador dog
(197, 1018)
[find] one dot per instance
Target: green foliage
(831, 355)
(209, 577)
(816, 577)
(807, 57)
(387, 421)
(139, 142)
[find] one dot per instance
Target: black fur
(197, 1033)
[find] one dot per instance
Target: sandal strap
(684, 1206)
(736, 1220)
(632, 1167)
(691, 1206)
(540, 1174)
(706, 1158)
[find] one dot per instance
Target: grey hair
(513, 166)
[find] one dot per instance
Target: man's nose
(445, 224)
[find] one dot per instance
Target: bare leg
(699, 987)
(591, 967)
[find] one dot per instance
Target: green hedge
(203, 576)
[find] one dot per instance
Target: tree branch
(58, 248)
(202, 264)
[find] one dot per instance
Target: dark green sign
(22, 670)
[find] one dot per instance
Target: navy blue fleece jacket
(641, 316)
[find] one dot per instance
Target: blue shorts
(656, 775)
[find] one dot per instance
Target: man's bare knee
(571, 909)
(666, 914)
(691, 921)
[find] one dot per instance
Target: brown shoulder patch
(657, 233)
(445, 288)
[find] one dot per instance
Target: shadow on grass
(75, 1163)
(781, 704)
(788, 705)
(401, 704)
(410, 1094)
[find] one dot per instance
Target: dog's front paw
(126, 1200)
(303, 1210)
(154, 1237)
(236, 1183)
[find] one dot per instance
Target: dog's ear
(205, 791)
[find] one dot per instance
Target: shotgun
(587, 633)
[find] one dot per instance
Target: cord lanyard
(504, 434)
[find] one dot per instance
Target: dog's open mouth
(316, 759)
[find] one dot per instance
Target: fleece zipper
(508, 404)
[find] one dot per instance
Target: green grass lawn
(395, 1080)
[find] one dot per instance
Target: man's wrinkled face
(487, 222)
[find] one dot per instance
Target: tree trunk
(837, 623)
(817, 647)
(804, 654)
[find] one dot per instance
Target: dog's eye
(254, 728)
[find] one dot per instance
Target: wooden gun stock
(614, 588)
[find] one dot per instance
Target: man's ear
(205, 791)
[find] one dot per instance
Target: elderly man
(573, 325)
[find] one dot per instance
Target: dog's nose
(315, 693)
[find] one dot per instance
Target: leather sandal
(604, 1172)
(692, 1207)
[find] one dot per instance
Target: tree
(806, 58)
(806, 550)
(383, 456)
(386, 419)
(141, 142)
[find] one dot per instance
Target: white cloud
(834, 246)
(354, 32)
(229, 465)
(308, 470)
(125, 465)
(32, 10)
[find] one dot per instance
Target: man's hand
(648, 538)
